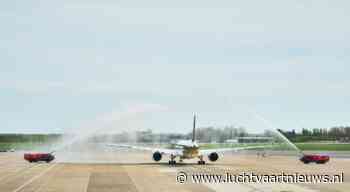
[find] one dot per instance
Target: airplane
(186, 149)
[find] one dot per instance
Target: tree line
(25, 138)
(341, 134)
(204, 134)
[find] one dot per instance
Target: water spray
(269, 125)
(102, 123)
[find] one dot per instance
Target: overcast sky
(65, 64)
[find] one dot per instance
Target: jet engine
(213, 156)
(157, 156)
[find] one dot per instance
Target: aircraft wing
(223, 150)
(175, 152)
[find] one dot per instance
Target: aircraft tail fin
(194, 128)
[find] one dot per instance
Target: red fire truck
(319, 159)
(36, 157)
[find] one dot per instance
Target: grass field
(20, 146)
(301, 146)
(228, 145)
(323, 147)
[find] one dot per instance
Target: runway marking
(45, 182)
(132, 179)
(87, 182)
(22, 170)
(34, 178)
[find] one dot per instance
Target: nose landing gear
(201, 161)
(172, 160)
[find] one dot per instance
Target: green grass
(19, 146)
(229, 145)
(301, 146)
(323, 147)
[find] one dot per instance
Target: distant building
(231, 141)
(254, 139)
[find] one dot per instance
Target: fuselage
(190, 152)
(190, 149)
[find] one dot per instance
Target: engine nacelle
(213, 156)
(157, 156)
